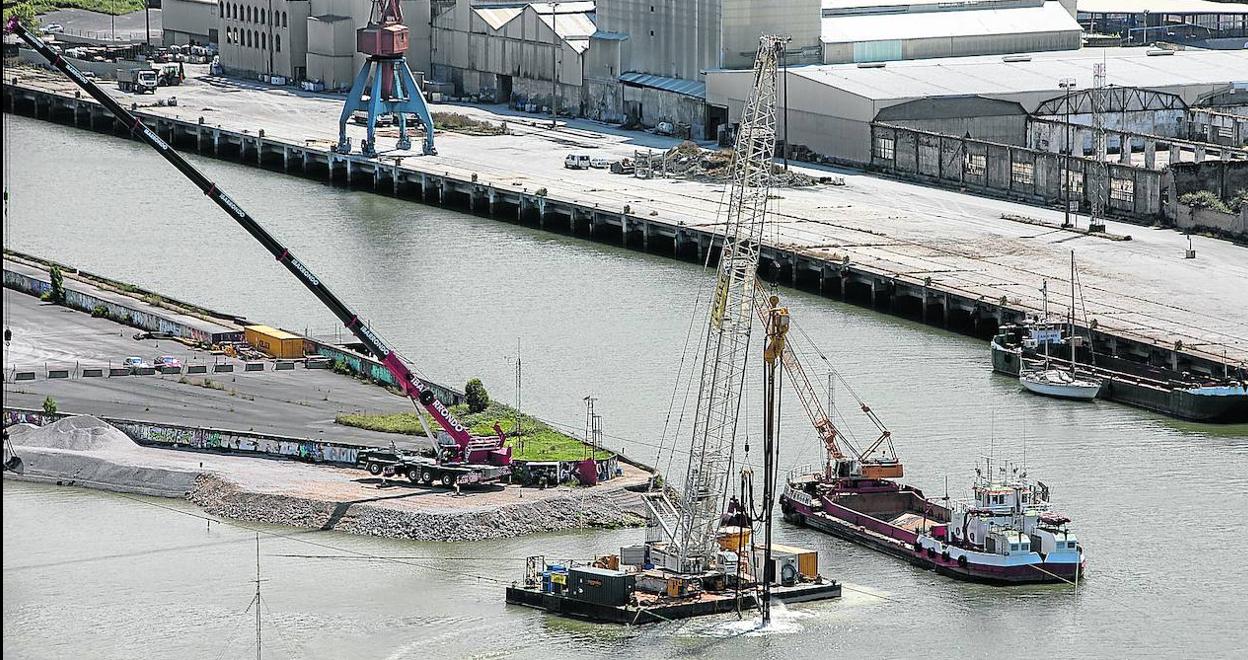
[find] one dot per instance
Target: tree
(49, 406)
(56, 294)
(25, 13)
(478, 398)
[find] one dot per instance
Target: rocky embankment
(85, 451)
(576, 509)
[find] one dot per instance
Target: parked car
(168, 361)
(135, 363)
(89, 75)
(53, 27)
(600, 163)
(577, 162)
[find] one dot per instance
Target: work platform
(656, 611)
(938, 256)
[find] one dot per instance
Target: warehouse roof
(951, 107)
(1161, 7)
(674, 85)
(497, 17)
(991, 75)
(848, 28)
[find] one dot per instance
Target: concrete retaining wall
(1233, 224)
(373, 370)
(127, 315)
(174, 435)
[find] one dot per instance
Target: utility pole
(270, 44)
(256, 601)
(1100, 198)
(591, 423)
(554, 69)
(784, 64)
(147, 22)
(1066, 84)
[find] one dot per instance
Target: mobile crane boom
(490, 451)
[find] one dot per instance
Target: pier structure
(944, 290)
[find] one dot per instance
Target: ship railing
(804, 470)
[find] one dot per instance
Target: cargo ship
(1006, 533)
(1178, 394)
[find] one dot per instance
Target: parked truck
(138, 81)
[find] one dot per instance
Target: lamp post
(1066, 84)
(1145, 27)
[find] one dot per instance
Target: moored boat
(1060, 384)
(1006, 533)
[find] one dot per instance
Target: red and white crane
(464, 458)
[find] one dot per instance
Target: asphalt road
(300, 402)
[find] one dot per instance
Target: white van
(577, 162)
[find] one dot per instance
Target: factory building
(525, 54)
(185, 22)
(1197, 22)
(303, 39)
(873, 31)
(831, 107)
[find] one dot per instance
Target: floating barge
(608, 595)
(1005, 535)
(632, 587)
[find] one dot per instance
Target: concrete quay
(942, 257)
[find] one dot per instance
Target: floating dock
(653, 609)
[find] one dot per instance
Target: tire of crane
(413, 475)
(448, 479)
(374, 469)
(426, 476)
(931, 552)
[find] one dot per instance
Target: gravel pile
(588, 508)
(79, 433)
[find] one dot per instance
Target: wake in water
(783, 622)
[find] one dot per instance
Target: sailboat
(1061, 383)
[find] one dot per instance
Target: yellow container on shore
(277, 343)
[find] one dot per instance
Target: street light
(1145, 27)
(1066, 84)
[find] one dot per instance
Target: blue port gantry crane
(391, 88)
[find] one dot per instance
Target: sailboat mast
(1045, 291)
(1071, 338)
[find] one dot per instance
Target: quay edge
(836, 277)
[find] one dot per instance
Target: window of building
(1022, 174)
(260, 14)
(283, 19)
(221, 8)
(976, 164)
(264, 41)
(652, 33)
(248, 14)
(250, 38)
(885, 148)
(1122, 190)
(1074, 185)
(277, 42)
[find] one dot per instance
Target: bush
(341, 367)
(99, 311)
(1204, 199)
(478, 398)
(1239, 200)
(56, 294)
(49, 406)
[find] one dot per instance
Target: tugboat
(1005, 534)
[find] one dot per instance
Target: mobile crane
(458, 456)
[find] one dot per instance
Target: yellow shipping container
(807, 560)
(278, 343)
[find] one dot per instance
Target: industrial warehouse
(644, 328)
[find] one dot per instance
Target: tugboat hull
(907, 545)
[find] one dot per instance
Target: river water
(1158, 503)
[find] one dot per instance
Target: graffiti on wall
(170, 435)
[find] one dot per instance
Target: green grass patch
(28, 10)
(536, 441)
